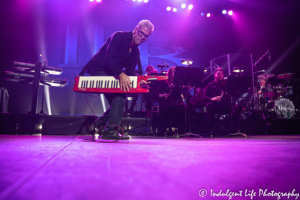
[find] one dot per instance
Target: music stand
(236, 85)
(188, 76)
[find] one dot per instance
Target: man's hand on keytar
(125, 83)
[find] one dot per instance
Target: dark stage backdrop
(69, 33)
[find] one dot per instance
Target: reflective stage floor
(74, 167)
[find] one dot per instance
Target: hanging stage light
(190, 7)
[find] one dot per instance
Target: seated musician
(119, 51)
(217, 101)
(261, 86)
(171, 105)
(149, 70)
(264, 92)
(147, 96)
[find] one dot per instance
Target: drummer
(262, 86)
(263, 89)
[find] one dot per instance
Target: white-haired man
(119, 51)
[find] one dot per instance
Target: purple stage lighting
(224, 12)
(202, 14)
(133, 0)
(208, 15)
(139, 0)
(230, 12)
(190, 6)
(174, 9)
(183, 5)
(168, 8)
(146, 1)
(98, 0)
(91, 0)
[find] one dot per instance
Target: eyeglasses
(142, 34)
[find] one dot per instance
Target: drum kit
(273, 101)
(279, 101)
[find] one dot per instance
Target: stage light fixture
(186, 62)
(139, 0)
(190, 7)
(238, 70)
(91, 0)
(208, 15)
(224, 12)
(168, 8)
(230, 12)
(206, 70)
(145, 1)
(133, 0)
(98, 0)
(183, 6)
(174, 9)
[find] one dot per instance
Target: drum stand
(254, 70)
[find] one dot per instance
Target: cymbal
(285, 75)
(264, 76)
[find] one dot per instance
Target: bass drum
(284, 108)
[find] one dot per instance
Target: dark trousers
(113, 115)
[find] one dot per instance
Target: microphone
(269, 56)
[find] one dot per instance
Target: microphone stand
(254, 69)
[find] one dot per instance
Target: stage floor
(73, 167)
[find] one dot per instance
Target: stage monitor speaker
(3, 100)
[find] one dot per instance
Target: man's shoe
(114, 135)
